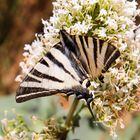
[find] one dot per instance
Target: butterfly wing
(95, 55)
(57, 72)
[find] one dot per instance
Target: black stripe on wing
(59, 64)
(45, 76)
(101, 42)
(31, 79)
(31, 93)
(109, 51)
(86, 39)
(112, 59)
(83, 47)
(67, 41)
(42, 61)
(95, 51)
(112, 53)
(28, 90)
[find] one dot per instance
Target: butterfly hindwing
(57, 72)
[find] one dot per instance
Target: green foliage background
(45, 108)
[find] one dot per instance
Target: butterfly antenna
(89, 107)
(94, 117)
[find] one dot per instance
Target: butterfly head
(86, 83)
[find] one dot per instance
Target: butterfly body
(67, 67)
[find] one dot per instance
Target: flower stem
(69, 118)
(71, 112)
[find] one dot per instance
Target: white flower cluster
(14, 130)
(105, 19)
(119, 92)
(18, 129)
(95, 17)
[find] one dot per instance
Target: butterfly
(68, 68)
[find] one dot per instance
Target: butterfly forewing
(95, 55)
(58, 71)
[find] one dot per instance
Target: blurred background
(19, 21)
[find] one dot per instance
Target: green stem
(71, 112)
(69, 118)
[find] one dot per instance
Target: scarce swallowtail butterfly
(67, 67)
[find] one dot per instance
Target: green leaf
(96, 11)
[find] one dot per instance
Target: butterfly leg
(70, 93)
(80, 96)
